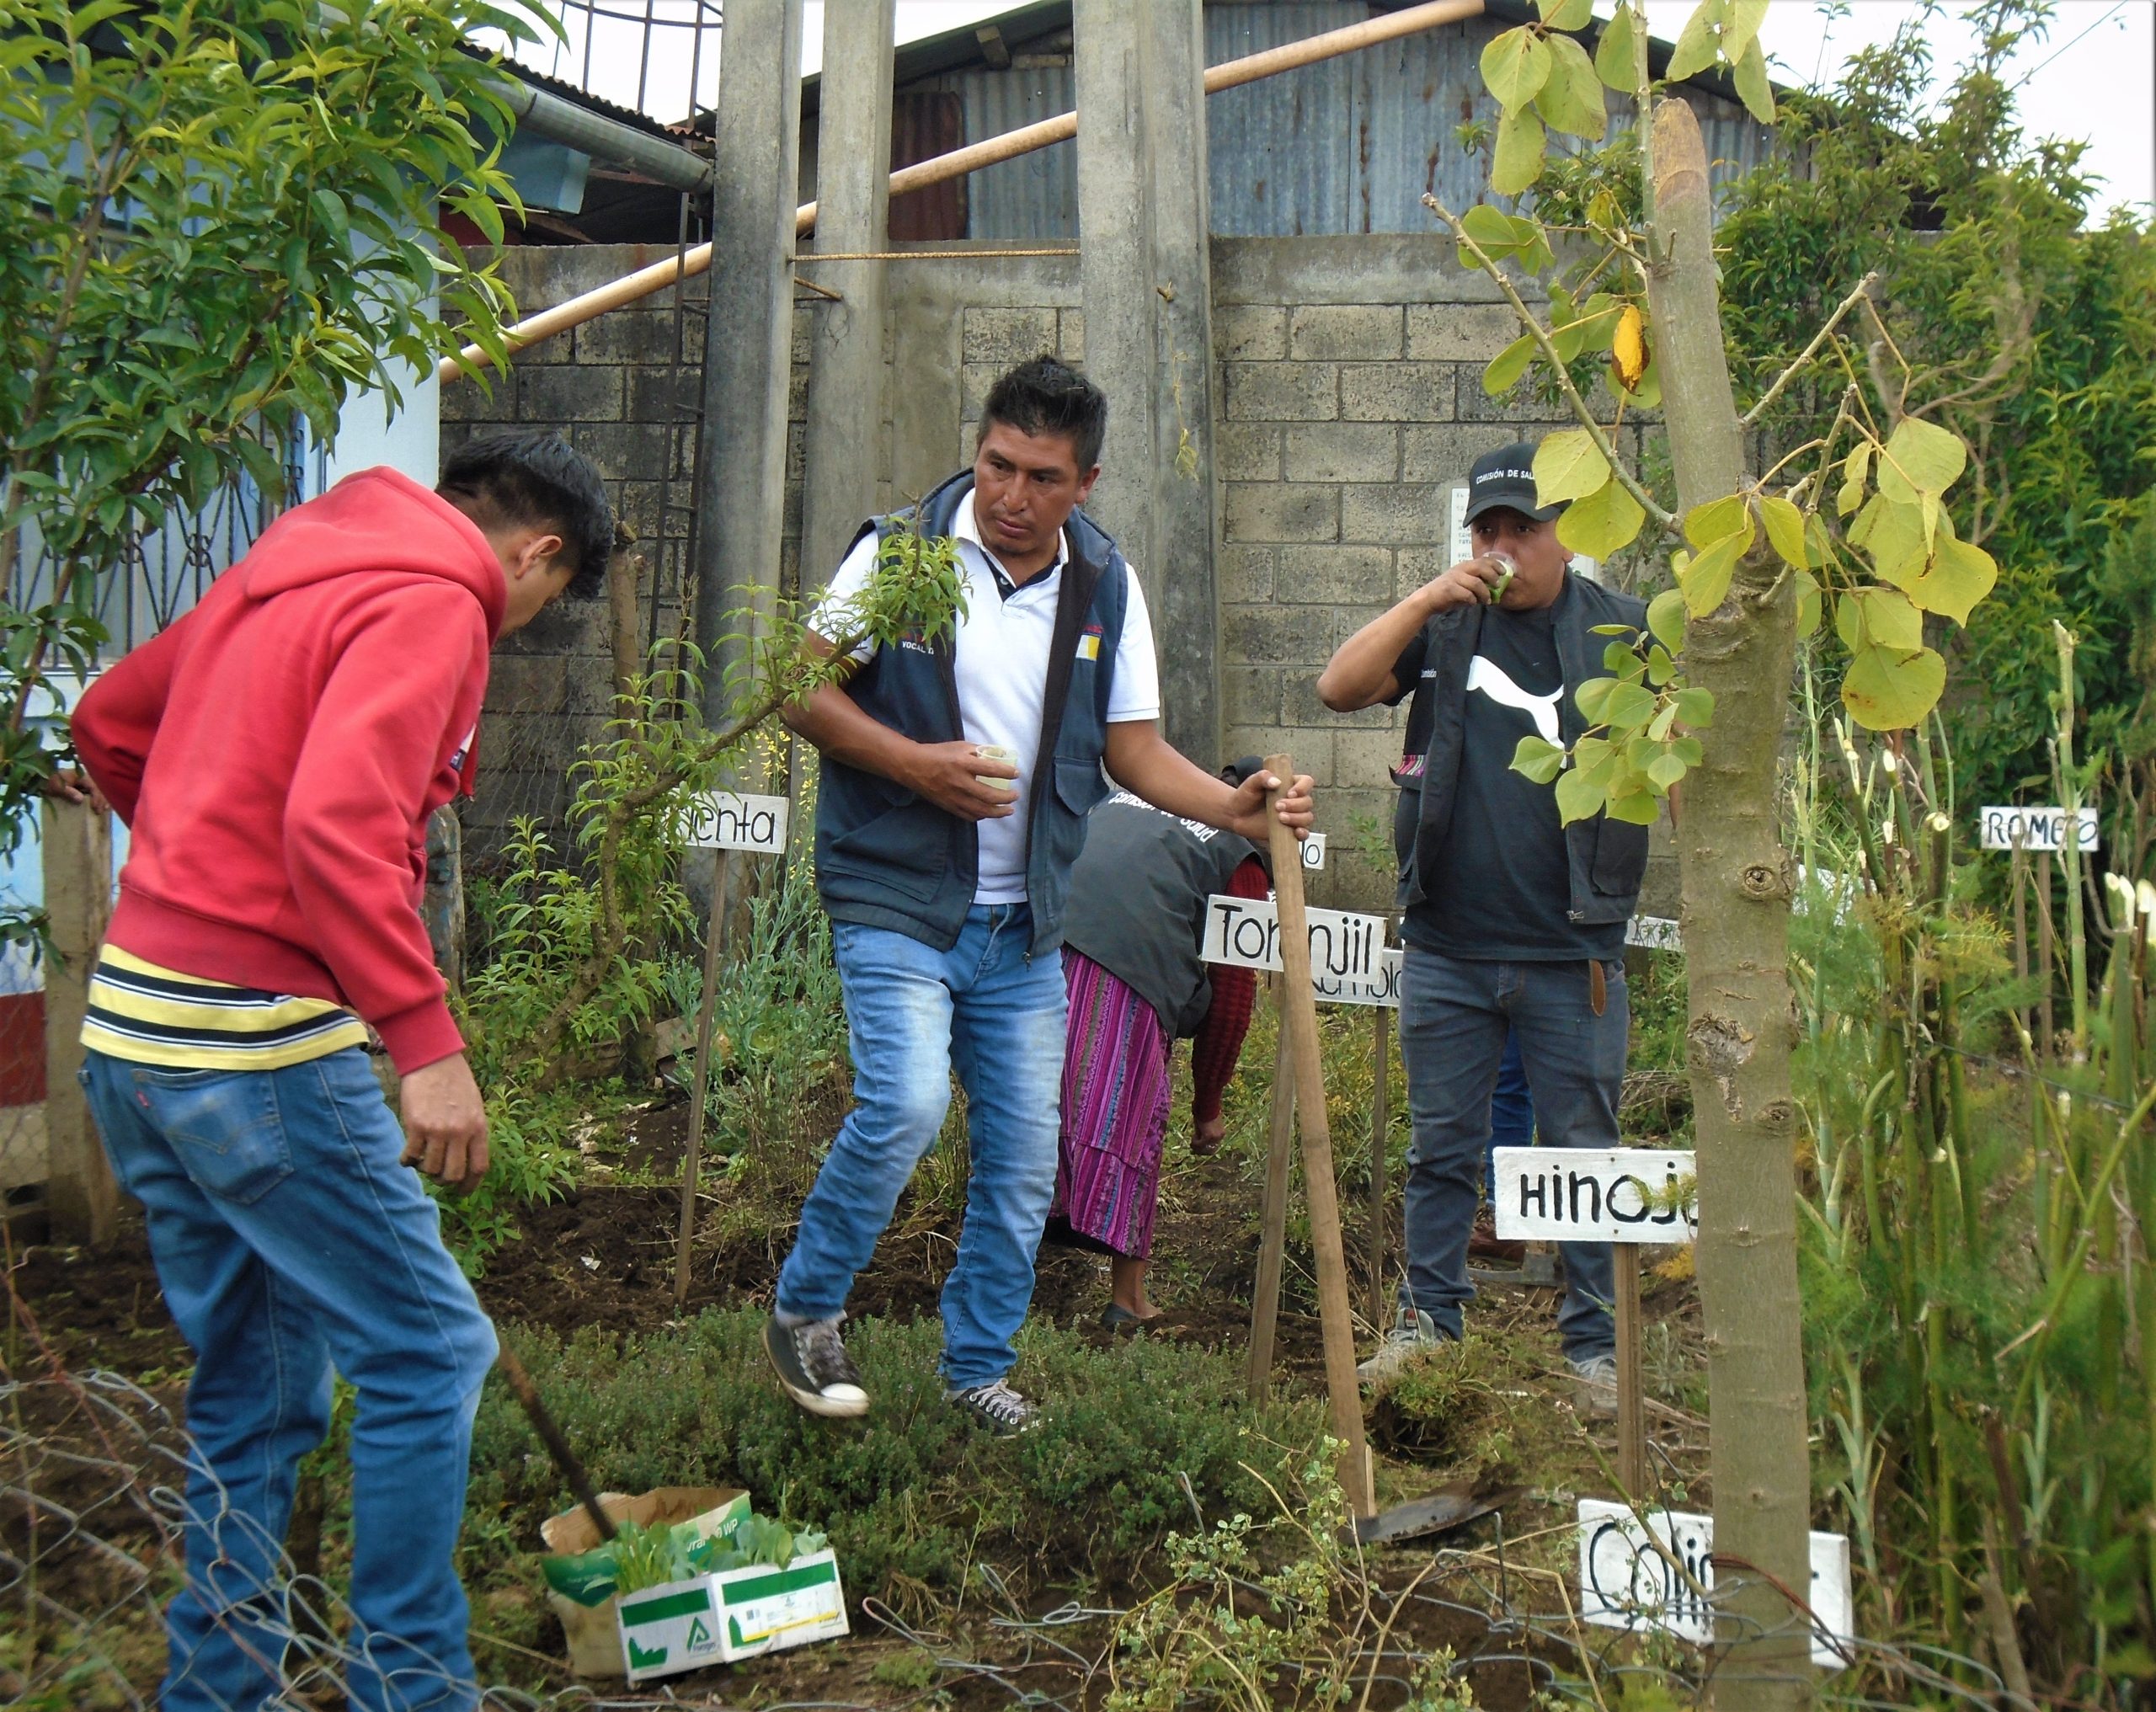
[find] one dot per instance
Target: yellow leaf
(1616, 55)
(1855, 468)
(1716, 519)
(1571, 101)
(1517, 162)
(1629, 351)
(1891, 689)
(1959, 575)
(1920, 457)
(1515, 66)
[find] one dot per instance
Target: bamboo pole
(958, 163)
(1299, 1019)
(1279, 1164)
(714, 939)
(1381, 1127)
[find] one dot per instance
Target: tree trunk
(1736, 887)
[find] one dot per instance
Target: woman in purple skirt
(1130, 964)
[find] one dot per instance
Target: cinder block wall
(1347, 400)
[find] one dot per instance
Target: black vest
(1608, 858)
(1138, 903)
(885, 857)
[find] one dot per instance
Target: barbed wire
(94, 1470)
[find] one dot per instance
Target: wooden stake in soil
(1279, 1155)
(1299, 1018)
(2044, 952)
(714, 939)
(1380, 1126)
(1631, 1411)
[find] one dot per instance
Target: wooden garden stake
(1380, 1126)
(714, 940)
(2021, 881)
(1279, 1162)
(2044, 952)
(1631, 1411)
(1299, 1020)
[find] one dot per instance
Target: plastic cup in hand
(1505, 577)
(996, 752)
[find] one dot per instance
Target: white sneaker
(1412, 1333)
(1598, 1378)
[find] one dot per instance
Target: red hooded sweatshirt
(276, 752)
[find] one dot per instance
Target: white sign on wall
(1626, 1583)
(1584, 1194)
(1384, 991)
(1245, 933)
(1314, 851)
(728, 820)
(2033, 828)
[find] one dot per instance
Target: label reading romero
(727, 820)
(1580, 1194)
(1246, 932)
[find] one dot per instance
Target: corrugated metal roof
(1349, 145)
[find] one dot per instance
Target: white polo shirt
(1000, 655)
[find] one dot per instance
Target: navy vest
(1608, 858)
(887, 858)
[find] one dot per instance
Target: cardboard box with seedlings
(663, 1625)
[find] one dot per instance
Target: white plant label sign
(728, 820)
(1245, 933)
(1626, 1583)
(1586, 1194)
(2033, 828)
(1314, 851)
(1655, 932)
(1384, 991)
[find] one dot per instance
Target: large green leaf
(1538, 759)
(1706, 525)
(1920, 457)
(1666, 619)
(1752, 88)
(1504, 370)
(1784, 528)
(1892, 688)
(1705, 581)
(1740, 32)
(1605, 522)
(1959, 575)
(1700, 41)
(1515, 66)
(1568, 466)
(1616, 55)
(1579, 797)
(1517, 161)
(1891, 534)
(1567, 14)
(1572, 100)
(1866, 618)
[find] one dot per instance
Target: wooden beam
(83, 1199)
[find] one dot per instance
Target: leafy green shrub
(916, 1493)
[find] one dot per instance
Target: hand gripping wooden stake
(1299, 1027)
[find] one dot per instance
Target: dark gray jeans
(1454, 1017)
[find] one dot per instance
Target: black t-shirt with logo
(1503, 888)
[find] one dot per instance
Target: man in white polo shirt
(945, 869)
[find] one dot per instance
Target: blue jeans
(1453, 1016)
(289, 1240)
(1512, 1113)
(995, 1012)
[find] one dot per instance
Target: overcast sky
(2092, 78)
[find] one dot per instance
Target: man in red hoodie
(275, 753)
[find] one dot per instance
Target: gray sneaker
(996, 1407)
(1412, 1333)
(1598, 1378)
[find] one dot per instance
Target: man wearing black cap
(1513, 920)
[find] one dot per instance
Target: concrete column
(741, 487)
(1146, 286)
(845, 339)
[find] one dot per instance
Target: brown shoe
(1485, 1244)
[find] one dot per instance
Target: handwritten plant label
(1384, 991)
(1626, 1583)
(1245, 933)
(1314, 851)
(1584, 1194)
(2034, 828)
(727, 820)
(1655, 932)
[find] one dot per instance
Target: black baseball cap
(1506, 477)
